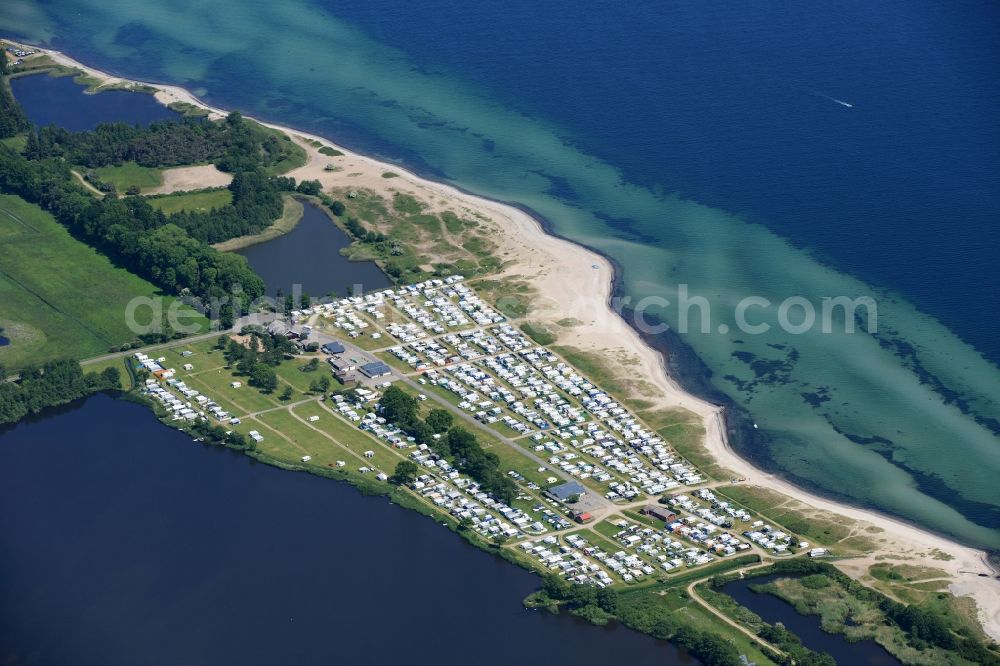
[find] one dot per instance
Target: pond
(309, 256)
(51, 100)
(806, 627)
(124, 542)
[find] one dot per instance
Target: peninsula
(495, 388)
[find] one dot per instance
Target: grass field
(192, 201)
(58, 297)
(128, 175)
(16, 143)
(290, 373)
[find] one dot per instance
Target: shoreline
(570, 276)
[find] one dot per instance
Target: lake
(309, 255)
(807, 627)
(123, 541)
(50, 100)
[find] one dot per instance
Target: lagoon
(309, 256)
(806, 627)
(59, 101)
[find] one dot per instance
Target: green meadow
(129, 175)
(58, 297)
(200, 202)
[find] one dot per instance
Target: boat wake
(832, 99)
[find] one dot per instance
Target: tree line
(55, 383)
(170, 251)
(12, 118)
(129, 231)
(645, 613)
(233, 144)
(456, 444)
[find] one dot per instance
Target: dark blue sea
(728, 104)
(769, 148)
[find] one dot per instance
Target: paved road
(240, 323)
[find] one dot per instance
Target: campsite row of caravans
(551, 401)
(478, 504)
(718, 512)
(154, 366)
(441, 483)
(431, 307)
(573, 562)
(664, 549)
(193, 406)
(467, 345)
(636, 461)
(723, 514)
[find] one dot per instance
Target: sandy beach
(574, 283)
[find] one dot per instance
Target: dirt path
(83, 181)
(692, 592)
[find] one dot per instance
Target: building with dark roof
(659, 513)
(333, 348)
(375, 369)
(341, 364)
(566, 490)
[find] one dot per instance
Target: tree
(221, 342)
(406, 472)
(310, 187)
(263, 377)
(439, 420)
(398, 406)
(320, 385)
(337, 208)
(12, 118)
(55, 383)
(110, 377)
(286, 394)
(246, 365)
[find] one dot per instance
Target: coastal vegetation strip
(935, 630)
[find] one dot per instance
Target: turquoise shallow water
(905, 420)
